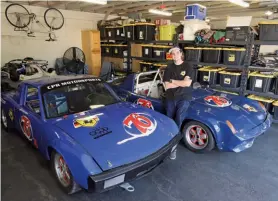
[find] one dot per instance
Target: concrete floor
(248, 176)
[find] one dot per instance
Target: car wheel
(4, 120)
(63, 174)
(198, 137)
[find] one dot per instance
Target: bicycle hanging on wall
(19, 17)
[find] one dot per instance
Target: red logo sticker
(138, 125)
(26, 128)
(145, 103)
(218, 101)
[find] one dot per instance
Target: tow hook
(127, 187)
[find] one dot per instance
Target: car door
(28, 114)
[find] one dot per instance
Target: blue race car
(214, 119)
(93, 139)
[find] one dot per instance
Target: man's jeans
(177, 110)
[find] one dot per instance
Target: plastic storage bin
(118, 50)
(167, 32)
(193, 54)
(110, 32)
(146, 66)
(233, 56)
(129, 30)
(145, 31)
(119, 32)
(102, 32)
(261, 82)
(147, 51)
(209, 75)
(160, 51)
(230, 79)
(275, 110)
(267, 102)
(159, 65)
(106, 50)
(195, 11)
(212, 55)
(268, 31)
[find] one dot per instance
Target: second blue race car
(214, 119)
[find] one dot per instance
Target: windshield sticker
(89, 121)
(249, 108)
(26, 127)
(138, 125)
(11, 114)
(70, 82)
(100, 132)
(217, 101)
(144, 103)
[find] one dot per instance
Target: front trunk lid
(119, 134)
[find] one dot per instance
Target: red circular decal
(26, 128)
(218, 101)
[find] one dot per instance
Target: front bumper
(238, 144)
(114, 177)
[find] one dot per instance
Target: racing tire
(4, 120)
(197, 137)
(69, 186)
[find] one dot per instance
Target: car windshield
(75, 98)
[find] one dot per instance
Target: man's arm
(186, 82)
(166, 79)
(169, 85)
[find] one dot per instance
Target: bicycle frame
(30, 28)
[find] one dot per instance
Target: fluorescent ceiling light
(101, 2)
(240, 3)
(268, 12)
(160, 12)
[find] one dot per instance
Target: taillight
(146, 91)
(262, 106)
(230, 125)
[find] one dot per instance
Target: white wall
(17, 45)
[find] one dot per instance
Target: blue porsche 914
(214, 119)
(93, 139)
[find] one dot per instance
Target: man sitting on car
(177, 79)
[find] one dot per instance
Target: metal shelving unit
(267, 95)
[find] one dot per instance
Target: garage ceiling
(216, 9)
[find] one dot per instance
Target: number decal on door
(26, 128)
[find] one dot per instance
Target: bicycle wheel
(17, 15)
(53, 18)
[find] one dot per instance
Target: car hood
(119, 134)
(243, 113)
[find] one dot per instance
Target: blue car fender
(208, 120)
(80, 163)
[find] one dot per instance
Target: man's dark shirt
(178, 72)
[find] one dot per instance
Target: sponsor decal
(138, 125)
(89, 121)
(100, 132)
(26, 127)
(11, 114)
(70, 82)
(183, 73)
(218, 101)
(144, 103)
(249, 108)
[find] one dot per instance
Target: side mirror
(196, 85)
